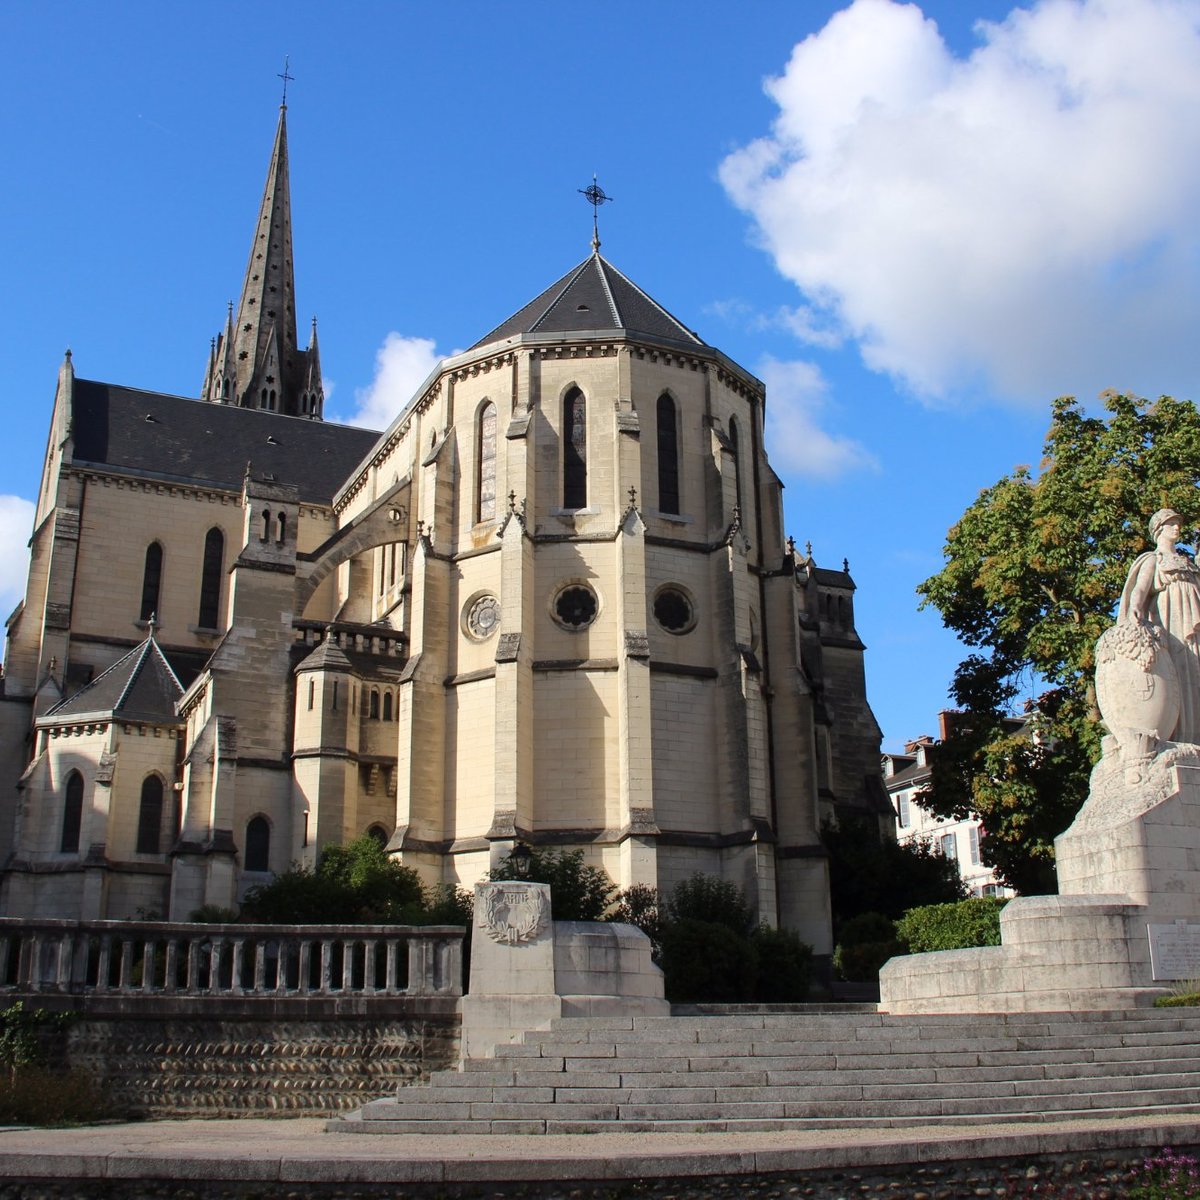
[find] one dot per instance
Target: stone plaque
(1174, 951)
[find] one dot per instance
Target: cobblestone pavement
(294, 1160)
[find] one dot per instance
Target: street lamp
(520, 859)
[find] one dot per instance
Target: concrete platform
(296, 1151)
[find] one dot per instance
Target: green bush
(640, 905)
(707, 963)
(871, 873)
(713, 900)
(973, 922)
(578, 892)
(784, 966)
(355, 884)
(865, 943)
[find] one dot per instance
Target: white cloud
(402, 364)
(796, 394)
(16, 524)
(1022, 219)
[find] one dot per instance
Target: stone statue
(1148, 664)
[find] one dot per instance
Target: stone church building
(552, 602)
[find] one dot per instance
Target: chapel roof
(188, 441)
(140, 686)
(594, 296)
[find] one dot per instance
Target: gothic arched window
(485, 442)
(668, 456)
(258, 844)
(737, 461)
(374, 713)
(574, 443)
(210, 579)
(72, 814)
(149, 827)
(387, 706)
(151, 581)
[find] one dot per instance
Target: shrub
(866, 942)
(871, 873)
(213, 914)
(973, 922)
(784, 966)
(358, 883)
(713, 900)
(706, 962)
(578, 892)
(640, 905)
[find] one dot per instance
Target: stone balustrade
(364, 639)
(153, 960)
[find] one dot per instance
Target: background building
(553, 601)
(905, 777)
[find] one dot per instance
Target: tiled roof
(138, 686)
(191, 441)
(594, 296)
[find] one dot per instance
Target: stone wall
(206, 1065)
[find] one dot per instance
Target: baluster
(304, 968)
(104, 963)
(171, 964)
(236, 966)
(260, 966)
(5, 953)
(347, 964)
(193, 966)
(126, 974)
(66, 958)
(452, 982)
(149, 958)
(215, 955)
(31, 952)
(393, 949)
(370, 948)
(419, 974)
(326, 964)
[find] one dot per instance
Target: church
(552, 603)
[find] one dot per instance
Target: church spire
(260, 348)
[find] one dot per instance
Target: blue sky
(917, 224)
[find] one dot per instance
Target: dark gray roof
(139, 686)
(917, 773)
(191, 441)
(594, 296)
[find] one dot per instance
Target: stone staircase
(806, 1069)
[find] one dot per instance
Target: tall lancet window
(149, 829)
(668, 456)
(574, 441)
(151, 581)
(72, 814)
(210, 579)
(737, 462)
(486, 444)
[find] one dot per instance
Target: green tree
(578, 892)
(869, 873)
(1033, 571)
(358, 883)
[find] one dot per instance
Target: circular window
(482, 617)
(673, 610)
(576, 606)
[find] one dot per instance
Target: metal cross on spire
(287, 58)
(596, 196)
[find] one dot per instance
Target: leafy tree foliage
(872, 874)
(973, 922)
(358, 883)
(1033, 571)
(578, 892)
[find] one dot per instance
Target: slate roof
(191, 441)
(140, 686)
(594, 296)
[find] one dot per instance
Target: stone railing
(153, 960)
(365, 639)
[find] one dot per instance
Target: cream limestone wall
(470, 758)
(686, 795)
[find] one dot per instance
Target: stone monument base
(1126, 922)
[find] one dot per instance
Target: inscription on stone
(1174, 951)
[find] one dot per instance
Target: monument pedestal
(1126, 921)
(526, 970)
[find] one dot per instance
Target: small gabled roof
(594, 296)
(141, 686)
